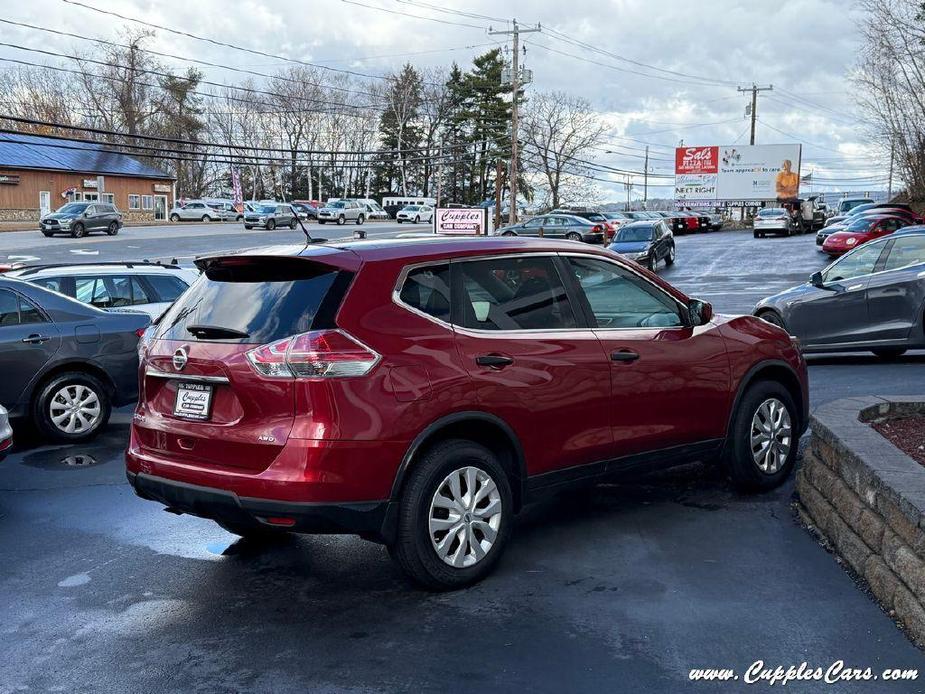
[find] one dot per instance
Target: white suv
(147, 287)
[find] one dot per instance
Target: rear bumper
(370, 519)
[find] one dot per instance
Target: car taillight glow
(315, 354)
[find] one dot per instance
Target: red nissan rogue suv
(420, 392)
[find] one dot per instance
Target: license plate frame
(193, 401)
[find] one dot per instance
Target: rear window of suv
(264, 300)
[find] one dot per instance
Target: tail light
(597, 228)
(315, 354)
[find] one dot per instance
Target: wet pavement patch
(54, 459)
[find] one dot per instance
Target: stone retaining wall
(867, 499)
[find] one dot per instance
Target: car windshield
(862, 224)
(267, 209)
(411, 208)
(634, 234)
(772, 212)
(857, 209)
(73, 208)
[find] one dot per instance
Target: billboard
(737, 173)
(469, 221)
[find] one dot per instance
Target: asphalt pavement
(624, 588)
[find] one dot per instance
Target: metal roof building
(39, 173)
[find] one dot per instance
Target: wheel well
(784, 376)
(486, 432)
(73, 367)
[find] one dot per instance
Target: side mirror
(701, 312)
(815, 279)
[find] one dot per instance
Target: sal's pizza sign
(461, 221)
(696, 160)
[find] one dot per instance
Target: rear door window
(523, 293)
(262, 300)
(906, 252)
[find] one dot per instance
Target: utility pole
(645, 179)
(439, 174)
(754, 89)
(498, 168)
(515, 93)
(628, 184)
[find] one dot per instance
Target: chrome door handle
(36, 339)
(855, 287)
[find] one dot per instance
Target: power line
(224, 44)
(408, 14)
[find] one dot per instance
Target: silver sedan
(871, 299)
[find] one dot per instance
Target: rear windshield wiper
(215, 332)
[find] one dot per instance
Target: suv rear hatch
(203, 401)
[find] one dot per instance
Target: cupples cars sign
(471, 221)
(9, 179)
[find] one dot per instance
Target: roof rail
(33, 269)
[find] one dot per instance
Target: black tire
(341, 221)
(573, 236)
(773, 318)
(669, 259)
(205, 218)
(271, 224)
(417, 219)
(113, 229)
(239, 218)
(360, 220)
(294, 223)
(174, 217)
(740, 464)
(755, 234)
(78, 231)
(47, 234)
(889, 353)
(509, 233)
(398, 220)
(653, 262)
(413, 549)
(321, 221)
(46, 394)
(248, 226)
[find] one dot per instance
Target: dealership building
(38, 174)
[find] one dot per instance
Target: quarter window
(514, 294)
(427, 289)
(619, 299)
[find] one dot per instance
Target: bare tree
(890, 76)
(560, 131)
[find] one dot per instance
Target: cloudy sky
(658, 71)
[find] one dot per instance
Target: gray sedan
(557, 226)
(872, 298)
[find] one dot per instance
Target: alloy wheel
(771, 436)
(464, 517)
(75, 409)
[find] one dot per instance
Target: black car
(78, 219)
(65, 364)
(645, 242)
